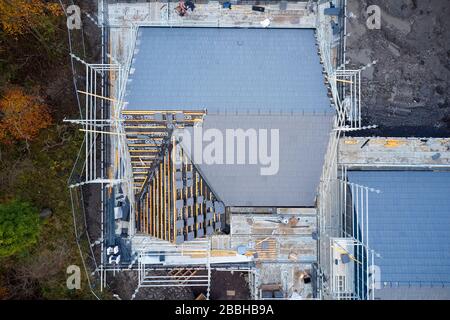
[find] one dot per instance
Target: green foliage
(19, 227)
(37, 172)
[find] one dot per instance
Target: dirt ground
(125, 283)
(407, 92)
(224, 286)
(229, 286)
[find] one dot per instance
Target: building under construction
(222, 134)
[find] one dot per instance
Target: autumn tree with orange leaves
(20, 16)
(22, 116)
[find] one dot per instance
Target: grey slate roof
(409, 227)
(256, 73)
(436, 292)
(227, 70)
(303, 140)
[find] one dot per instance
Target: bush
(19, 227)
(22, 116)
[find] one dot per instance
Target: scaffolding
(353, 229)
(98, 126)
(345, 257)
(344, 231)
(139, 145)
(162, 264)
(103, 159)
(344, 84)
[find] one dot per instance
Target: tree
(22, 116)
(19, 227)
(18, 17)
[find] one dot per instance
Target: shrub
(19, 227)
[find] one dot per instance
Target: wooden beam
(146, 214)
(196, 204)
(165, 224)
(201, 206)
(150, 208)
(141, 156)
(153, 120)
(103, 132)
(160, 202)
(143, 133)
(131, 145)
(154, 207)
(146, 127)
(143, 162)
(97, 96)
(138, 139)
(174, 191)
(151, 112)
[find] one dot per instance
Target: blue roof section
(227, 70)
(409, 226)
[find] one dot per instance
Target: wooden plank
(143, 215)
(152, 112)
(136, 217)
(186, 189)
(160, 202)
(158, 223)
(142, 150)
(154, 207)
(143, 145)
(165, 197)
(141, 223)
(196, 204)
(201, 193)
(153, 120)
(145, 162)
(97, 96)
(149, 209)
(174, 191)
(145, 127)
(140, 133)
(138, 139)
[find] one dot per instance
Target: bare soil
(124, 285)
(407, 92)
(229, 286)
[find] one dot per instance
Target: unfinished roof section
(227, 70)
(303, 140)
(409, 229)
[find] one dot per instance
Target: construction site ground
(407, 92)
(226, 285)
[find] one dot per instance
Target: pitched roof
(244, 78)
(409, 228)
(303, 141)
(227, 70)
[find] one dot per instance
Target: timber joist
(147, 132)
(176, 204)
